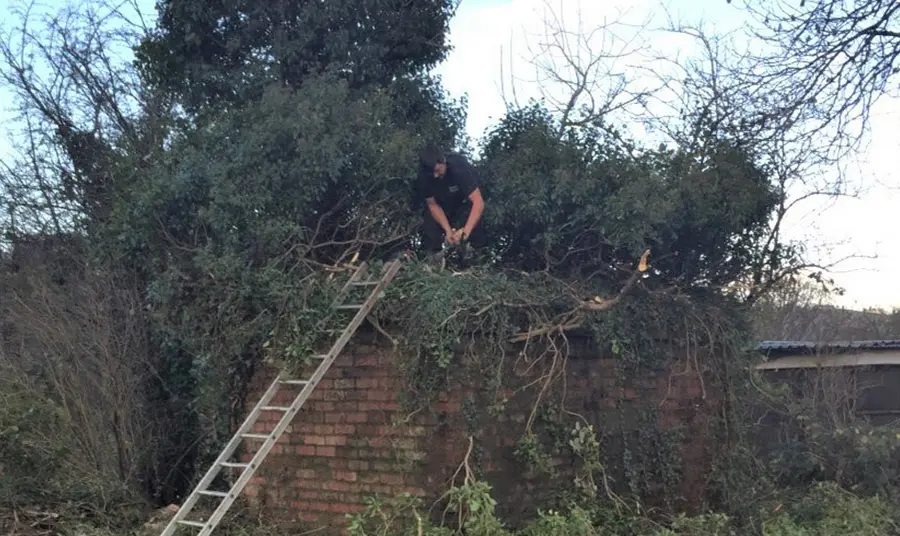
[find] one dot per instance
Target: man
(450, 188)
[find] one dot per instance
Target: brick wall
(347, 442)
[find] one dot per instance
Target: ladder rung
(295, 382)
(235, 465)
(364, 283)
(354, 306)
(256, 436)
(192, 523)
(213, 493)
(275, 408)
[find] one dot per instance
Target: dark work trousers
(433, 235)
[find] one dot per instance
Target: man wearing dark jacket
(450, 188)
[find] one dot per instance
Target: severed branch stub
(575, 318)
(605, 304)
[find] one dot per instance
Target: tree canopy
(226, 52)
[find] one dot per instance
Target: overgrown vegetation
(170, 225)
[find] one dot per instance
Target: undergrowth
(824, 510)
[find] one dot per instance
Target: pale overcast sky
(488, 34)
(491, 40)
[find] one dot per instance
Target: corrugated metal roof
(855, 359)
(797, 346)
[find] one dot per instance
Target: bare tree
(81, 343)
(581, 70)
(79, 100)
(707, 98)
(825, 63)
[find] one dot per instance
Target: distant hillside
(824, 323)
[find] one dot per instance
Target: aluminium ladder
(247, 470)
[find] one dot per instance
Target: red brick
(694, 390)
(308, 517)
(338, 441)
(451, 407)
(337, 486)
(366, 361)
(344, 429)
(304, 428)
(356, 417)
(344, 508)
(344, 384)
(370, 478)
(386, 430)
(379, 405)
(367, 383)
(391, 383)
(382, 467)
(338, 463)
(391, 479)
(305, 450)
(314, 440)
(357, 465)
(379, 395)
(323, 429)
(325, 451)
(381, 489)
(348, 476)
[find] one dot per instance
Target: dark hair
(431, 155)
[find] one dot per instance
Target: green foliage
(827, 509)
(228, 52)
(651, 457)
(586, 447)
(580, 202)
(30, 466)
(232, 227)
(441, 318)
(42, 461)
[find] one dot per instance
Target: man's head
(433, 159)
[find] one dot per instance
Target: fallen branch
(547, 330)
(467, 480)
(575, 318)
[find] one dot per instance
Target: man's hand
(460, 235)
(452, 237)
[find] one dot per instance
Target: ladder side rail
(355, 276)
(226, 453)
(286, 419)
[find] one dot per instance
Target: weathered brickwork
(348, 442)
